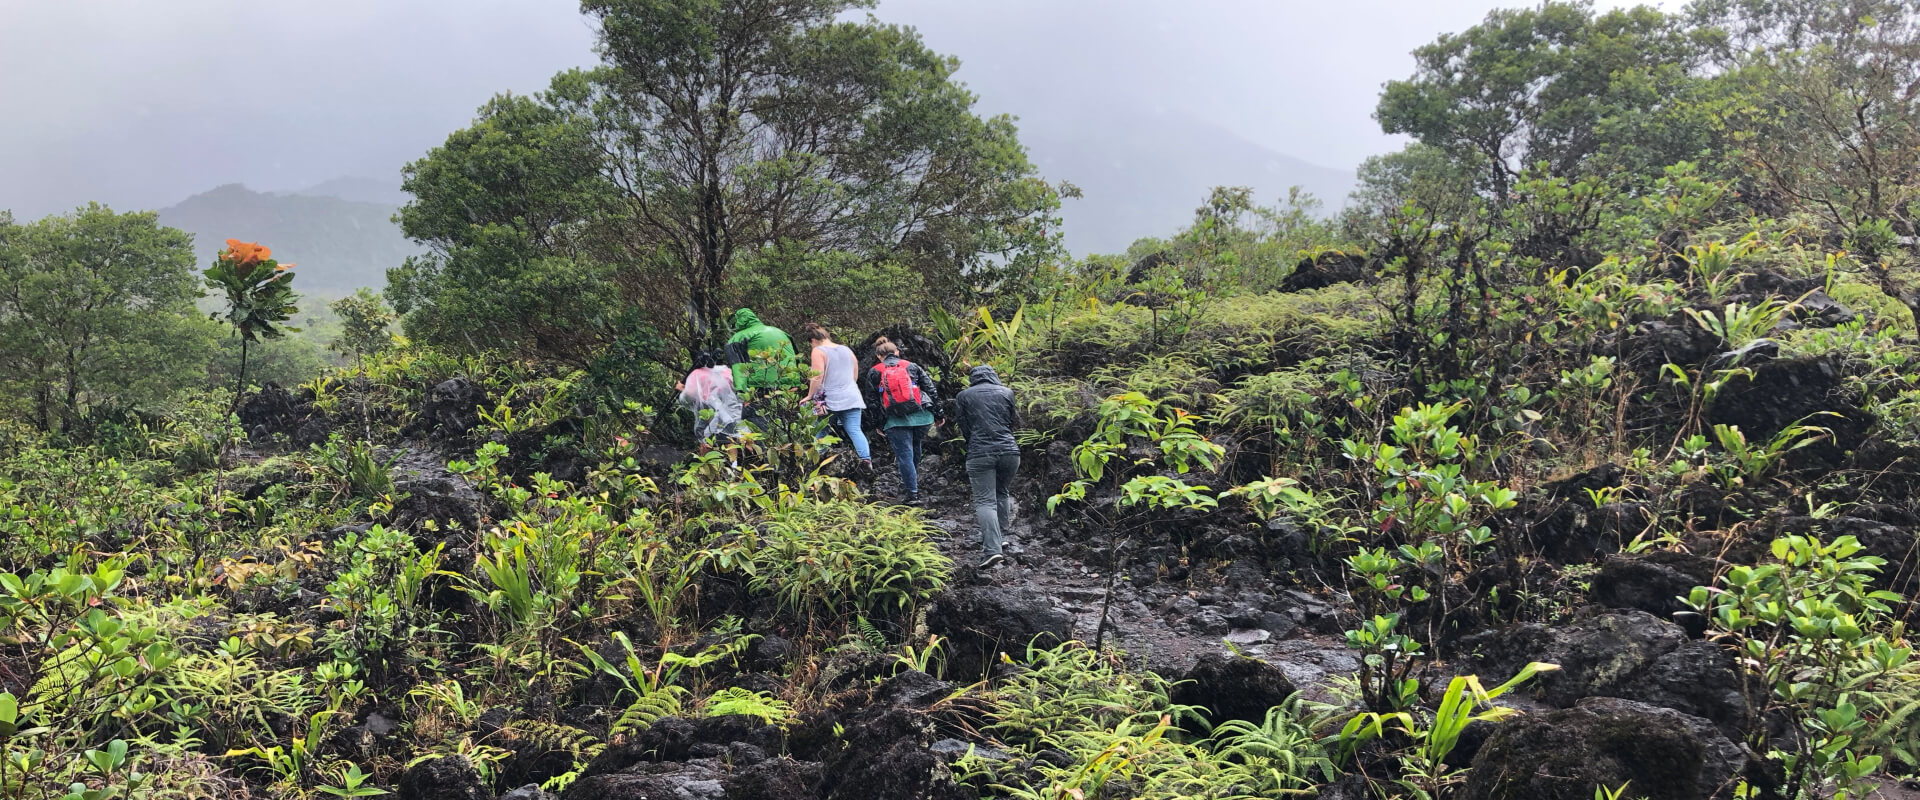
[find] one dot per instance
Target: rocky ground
(1640, 696)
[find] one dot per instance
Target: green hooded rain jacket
(750, 336)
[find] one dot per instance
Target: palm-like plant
(259, 295)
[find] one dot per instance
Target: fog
(139, 104)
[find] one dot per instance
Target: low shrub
(829, 558)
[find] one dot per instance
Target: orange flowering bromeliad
(259, 301)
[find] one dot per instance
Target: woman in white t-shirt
(835, 386)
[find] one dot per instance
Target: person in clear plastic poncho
(709, 387)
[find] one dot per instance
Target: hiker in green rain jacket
(750, 336)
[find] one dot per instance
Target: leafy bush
(1118, 728)
(832, 558)
(1825, 645)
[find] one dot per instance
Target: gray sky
(139, 103)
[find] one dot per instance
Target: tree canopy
(96, 308)
(715, 135)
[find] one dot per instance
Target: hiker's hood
(744, 319)
(982, 374)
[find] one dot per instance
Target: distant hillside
(361, 189)
(1144, 174)
(339, 244)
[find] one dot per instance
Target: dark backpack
(737, 353)
(899, 395)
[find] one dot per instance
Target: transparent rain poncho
(711, 389)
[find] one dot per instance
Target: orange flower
(245, 254)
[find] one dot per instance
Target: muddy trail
(1053, 586)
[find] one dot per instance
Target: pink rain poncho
(711, 388)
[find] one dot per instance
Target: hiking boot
(992, 561)
(913, 499)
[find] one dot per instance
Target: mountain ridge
(340, 244)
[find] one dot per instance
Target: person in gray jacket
(986, 415)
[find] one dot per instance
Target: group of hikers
(838, 389)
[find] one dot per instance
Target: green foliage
(834, 144)
(1825, 645)
(354, 469)
(258, 292)
(835, 559)
(1531, 85)
(1117, 728)
(97, 313)
(1169, 429)
(87, 669)
(1427, 497)
(1423, 767)
(735, 701)
(364, 323)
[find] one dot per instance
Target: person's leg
(903, 458)
(982, 476)
(1004, 468)
(919, 435)
(850, 423)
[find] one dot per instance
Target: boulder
(1674, 340)
(888, 756)
(1652, 582)
(1608, 742)
(274, 410)
(912, 689)
(452, 408)
(695, 780)
(954, 749)
(980, 621)
(738, 740)
(1816, 309)
(774, 779)
(1327, 269)
(1786, 391)
(443, 778)
(445, 500)
(1230, 686)
(1630, 655)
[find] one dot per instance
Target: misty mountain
(1143, 174)
(339, 244)
(361, 189)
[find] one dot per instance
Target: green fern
(553, 737)
(646, 711)
(875, 639)
(735, 701)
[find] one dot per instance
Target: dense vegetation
(1576, 457)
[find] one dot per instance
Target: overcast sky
(139, 103)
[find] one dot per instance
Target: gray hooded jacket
(986, 415)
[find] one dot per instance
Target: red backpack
(899, 395)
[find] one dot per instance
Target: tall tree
(1536, 85)
(1840, 80)
(723, 131)
(96, 308)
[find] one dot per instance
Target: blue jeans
(906, 453)
(848, 422)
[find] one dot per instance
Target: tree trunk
(239, 381)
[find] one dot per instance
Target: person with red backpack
(911, 406)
